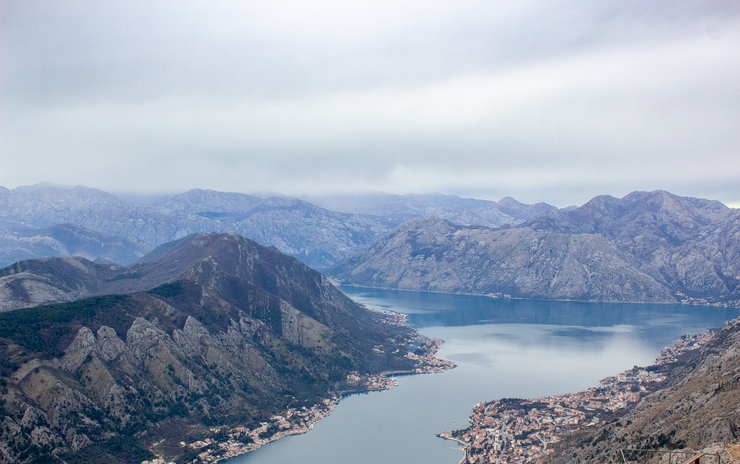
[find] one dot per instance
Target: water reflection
(557, 321)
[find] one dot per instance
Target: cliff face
(646, 247)
(241, 333)
(689, 245)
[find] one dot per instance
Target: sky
(554, 101)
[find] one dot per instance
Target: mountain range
(145, 321)
(317, 236)
(645, 247)
(212, 330)
(68, 240)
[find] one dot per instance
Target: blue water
(503, 348)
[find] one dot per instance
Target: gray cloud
(544, 101)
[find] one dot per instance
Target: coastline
(238, 441)
(681, 298)
(465, 446)
(500, 430)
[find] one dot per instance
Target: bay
(503, 348)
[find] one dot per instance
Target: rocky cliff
(689, 245)
(237, 333)
(435, 255)
(647, 246)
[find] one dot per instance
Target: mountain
(219, 331)
(462, 211)
(689, 245)
(316, 236)
(62, 279)
(431, 254)
(647, 246)
(67, 240)
(698, 408)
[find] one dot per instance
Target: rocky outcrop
(646, 247)
(243, 332)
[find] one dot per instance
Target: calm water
(503, 348)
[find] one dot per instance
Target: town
(518, 430)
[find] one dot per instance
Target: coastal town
(520, 430)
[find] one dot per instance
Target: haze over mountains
(317, 236)
(645, 247)
(68, 240)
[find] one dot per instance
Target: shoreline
(464, 449)
(242, 440)
(500, 430)
(685, 300)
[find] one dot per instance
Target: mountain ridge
(241, 334)
(316, 235)
(645, 247)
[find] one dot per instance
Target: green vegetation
(113, 451)
(45, 329)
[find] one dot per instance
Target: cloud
(543, 101)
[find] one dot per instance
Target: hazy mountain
(315, 235)
(463, 211)
(67, 240)
(237, 333)
(201, 202)
(648, 246)
(318, 236)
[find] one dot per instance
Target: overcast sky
(543, 101)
